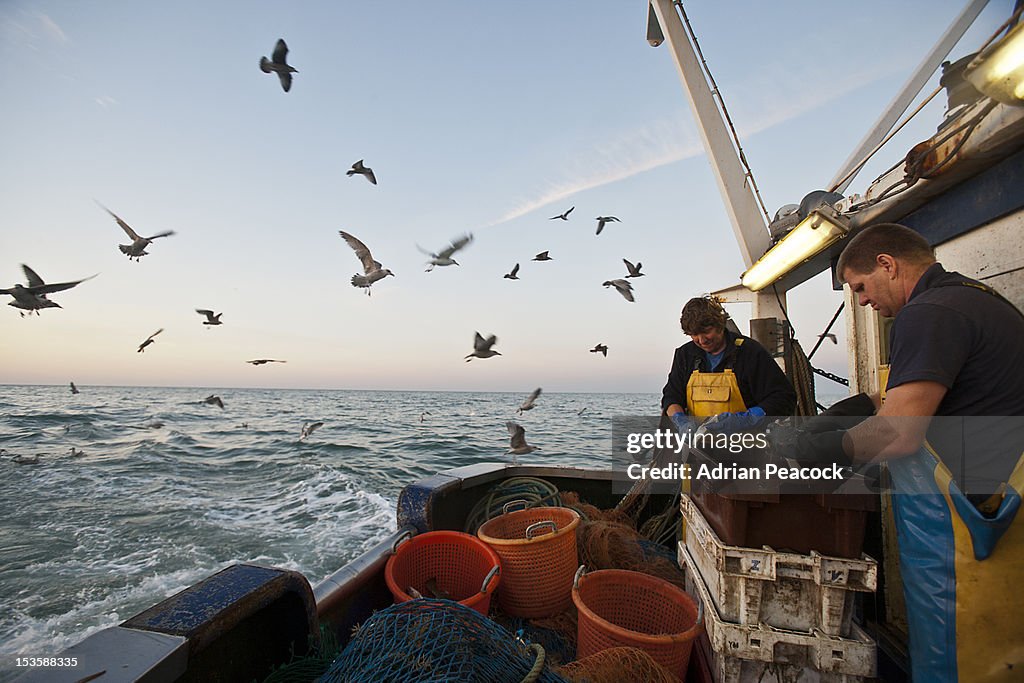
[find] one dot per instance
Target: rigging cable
(725, 112)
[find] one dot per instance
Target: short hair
(701, 313)
(899, 241)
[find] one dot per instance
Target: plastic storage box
(783, 590)
(743, 653)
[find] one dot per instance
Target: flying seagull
(364, 171)
(600, 348)
(444, 257)
(482, 347)
(514, 273)
(213, 400)
(623, 286)
(517, 444)
(634, 271)
(279, 63)
(542, 256)
(601, 220)
(137, 249)
(33, 297)
(308, 428)
(149, 340)
(563, 216)
(372, 270)
(262, 361)
(74, 389)
(211, 319)
(529, 402)
(830, 336)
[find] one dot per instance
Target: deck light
(998, 71)
(822, 228)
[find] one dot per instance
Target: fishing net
(308, 667)
(616, 665)
(438, 641)
(556, 634)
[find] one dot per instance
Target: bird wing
(124, 226)
(479, 342)
(154, 334)
(33, 278)
(541, 254)
(515, 270)
(286, 80)
(630, 267)
(168, 233)
(370, 176)
(532, 397)
(456, 244)
(280, 55)
(566, 214)
(208, 313)
(488, 343)
(362, 253)
(358, 166)
(57, 286)
(518, 434)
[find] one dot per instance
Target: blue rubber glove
(736, 422)
(681, 420)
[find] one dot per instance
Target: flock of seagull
(33, 296)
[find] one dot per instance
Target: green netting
(439, 641)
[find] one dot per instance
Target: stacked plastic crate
(777, 616)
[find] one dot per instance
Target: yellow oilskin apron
(962, 573)
(711, 393)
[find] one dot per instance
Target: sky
(476, 117)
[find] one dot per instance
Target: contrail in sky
(670, 140)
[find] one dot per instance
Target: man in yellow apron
(956, 368)
(721, 372)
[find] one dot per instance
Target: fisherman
(957, 472)
(722, 373)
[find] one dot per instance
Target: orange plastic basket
(618, 608)
(460, 565)
(537, 547)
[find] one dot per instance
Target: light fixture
(998, 71)
(822, 228)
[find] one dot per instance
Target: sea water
(170, 490)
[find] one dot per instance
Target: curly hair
(700, 313)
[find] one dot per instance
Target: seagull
(517, 444)
(830, 336)
(634, 271)
(213, 400)
(363, 171)
(601, 220)
(211, 319)
(262, 361)
(482, 347)
(514, 273)
(563, 216)
(581, 411)
(76, 453)
(137, 249)
(74, 389)
(623, 286)
(528, 403)
(600, 348)
(372, 270)
(33, 297)
(308, 428)
(425, 412)
(26, 459)
(149, 340)
(278, 63)
(444, 257)
(542, 256)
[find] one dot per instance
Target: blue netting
(433, 640)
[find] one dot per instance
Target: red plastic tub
(453, 563)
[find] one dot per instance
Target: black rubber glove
(821, 447)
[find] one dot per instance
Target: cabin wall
(993, 254)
